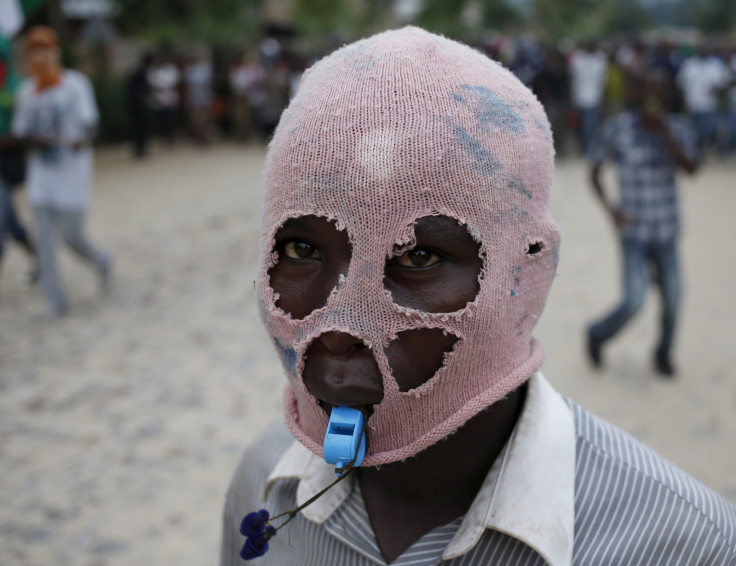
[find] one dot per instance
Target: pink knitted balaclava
(396, 127)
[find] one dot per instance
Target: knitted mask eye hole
(312, 254)
(415, 356)
(535, 248)
(440, 271)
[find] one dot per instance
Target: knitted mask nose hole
(415, 356)
(535, 248)
(310, 254)
(438, 270)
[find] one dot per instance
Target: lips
(349, 377)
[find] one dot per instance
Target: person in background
(12, 163)
(662, 58)
(647, 146)
(244, 77)
(56, 114)
(199, 97)
(551, 85)
(700, 78)
(138, 92)
(588, 67)
(634, 57)
(276, 96)
(614, 93)
(163, 80)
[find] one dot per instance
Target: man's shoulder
(632, 485)
(76, 79)
(260, 458)
(27, 87)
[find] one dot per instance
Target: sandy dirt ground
(121, 423)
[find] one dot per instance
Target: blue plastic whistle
(344, 439)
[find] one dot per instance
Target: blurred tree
(610, 17)
(216, 22)
(716, 15)
(555, 18)
(498, 14)
(589, 19)
(463, 17)
(318, 18)
(442, 17)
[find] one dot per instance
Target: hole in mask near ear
(535, 248)
(312, 254)
(416, 355)
(440, 273)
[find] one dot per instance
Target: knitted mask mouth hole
(439, 270)
(311, 255)
(340, 369)
(416, 355)
(535, 248)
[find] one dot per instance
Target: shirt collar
(533, 498)
(528, 494)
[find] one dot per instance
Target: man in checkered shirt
(647, 146)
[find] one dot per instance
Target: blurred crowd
(243, 98)
(579, 85)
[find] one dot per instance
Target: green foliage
(30, 6)
(318, 18)
(588, 19)
(448, 17)
(716, 15)
(442, 16)
(555, 18)
(216, 22)
(498, 14)
(115, 123)
(610, 17)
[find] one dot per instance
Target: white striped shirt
(568, 488)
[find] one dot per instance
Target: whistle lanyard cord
(347, 470)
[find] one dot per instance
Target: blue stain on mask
(459, 97)
(544, 126)
(288, 356)
(485, 163)
(518, 186)
(490, 110)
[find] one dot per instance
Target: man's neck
(406, 500)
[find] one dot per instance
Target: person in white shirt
(588, 68)
(700, 79)
(163, 79)
(245, 77)
(56, 114)
(199, 97)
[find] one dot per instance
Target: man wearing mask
(57, 115)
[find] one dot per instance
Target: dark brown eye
(418, 257)
(296, 249)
